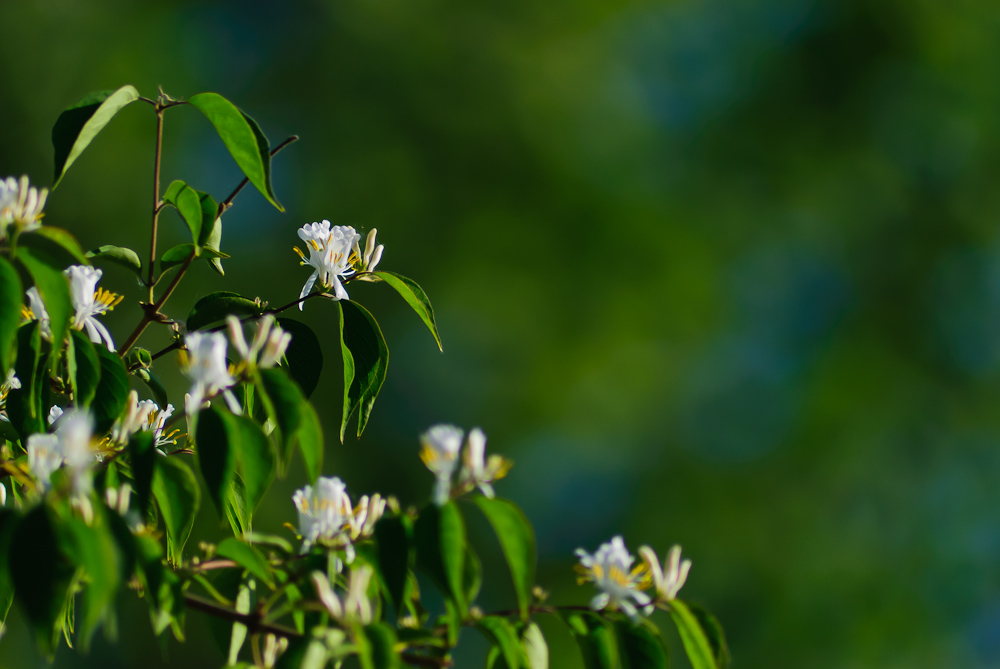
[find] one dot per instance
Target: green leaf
(142, 455)
(536, 650)
(41, 571)
(295, 417)
(595, 640)
(112, 391)
(503, 636)
(10, 314)
(517, 540)
(24, 404)
(696, 644)
(362, 337)
(211, 230)
(58, 243)
(381, 647)
(84, 368)
(77, 126)
(179, 254)
(247, 557)
(154, 384)
(9, 518)
(304, 356)
(640, 645)
(416, 298)
(178, 497)
(187, 202)
(439, 537)
(244, 139)
(53, 287)
(256, 465)
(94, 549)
(713, 632)
(394, 539)
(218, 443)
(472, 575)
(216, 306)
(119, 255)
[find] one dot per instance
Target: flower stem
(156, 199)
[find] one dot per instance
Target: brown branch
(253, 621)
(228, 202)
(156, 198)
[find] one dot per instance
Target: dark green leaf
(143, 455)
(53, 287)
(9, 519)
(178, 496)
(696, 643)
(211, 230)
(154, 384)
(218, 444)
(256, 464)
(77, 126)
(244, 139)
(381, 646)
(416, 298)
(394, 538)
(536, 650)
(179, 254)
(304, 356)
(41, 571)
(517, 539)
(94, 549)
(594, 637)
(216, 306)
(439, 537)
(25, 404)
(247, 557)
(503, 636)
(296, 419)
(58, 243)
(112, 391)
(186, 201)
(472, 575)
(640, 645)
(119, 255)
(713, 632)
(272, 541)
(10, 314)
(84, 368)
(361, 335)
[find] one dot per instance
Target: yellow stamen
(299, 251)
(108, 298)
(27, 314)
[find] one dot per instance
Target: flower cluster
(20, 205)
(144, 416)
(334, 255)
(88, 300)
(326, 515)
(70, 445)
(440, 447)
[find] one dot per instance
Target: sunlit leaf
(119, 255)
(381, 652)
(247, 557)
(517, 540)
(696, 644)
(77, 126)
(178, 497)
(536, 650)
(214, 307)
(186, 201)
(713, 632)
(504, 637)
(178, 255)
(58, 243)
(416, 298)
(439, 536)
(52, 286)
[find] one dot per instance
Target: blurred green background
(725, 274)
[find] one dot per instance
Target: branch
(228, 202)
(253, 621)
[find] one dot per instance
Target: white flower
(477, 470)
(668, 580)
(369, 261)
(355, 607)
(204, 363)
(439, 451)
(324, 511)
(10, 383)
(36, 311)
(330, 256)
(90, 301)
(610, 568)
(55, 411)
(143, 416)
(368, 512)
(69, 445)
(269, 344)
(21, 204)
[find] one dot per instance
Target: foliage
(105, 488)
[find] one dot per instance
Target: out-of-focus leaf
(247, 557)
(517, 540)
(640, 645)
(536, 650)
(239, 632)
(244, 139)
(77, 126)
(394, 538)
(154, 384)
(112, 391)
(84, 368)
(594, 637)
(178, 497)
(186, 201)
(256, 463)
(296, 419)
(94, 549)
(696, 643)
(439, 537)
(10, 314)
(53, 287)
(24, 404)
(416, 298)
(304, 356)
(119, 255)
(361, 335)
(381, 652)
(472, 575)
(9, 518)
(714, 633)
(503, 636)
(216, 306)
(218, 444)
(58, 243)
(142, 455)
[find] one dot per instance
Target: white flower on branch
(331, 255)
(439, 451)
(610, 569)
(20, 204)
(669, 579)
(144, 416)
(324, 511)
(35, 311)
(368, 512)
(268, 346)
(370, 260)
(204, 362)
(89, 301)
(355, 607)
(478, 470)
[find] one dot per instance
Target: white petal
(307, 288)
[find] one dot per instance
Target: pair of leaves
(201, 214)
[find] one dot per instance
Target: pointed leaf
(416, 298)
(10, 314)
(247, 557)
(536, 650)
(112, 391)
(53, 287)
(244, 139)
(296, 419)
(304, 356)
(256, 464)
(211, 231)
(119, 255)
(94, 549)
(58, 243)
(361, 335)
(186, 201)
(640, 645)
(178, 497)
(713, 632)
(25, 404)
(517, 540)
(696, 644)
(595, 640)
(214, 307)
(382, 653)
(84, 368)
(503, 636)
(218, 442)
(77, 126)
(439, 537)
(394, 539)
(142, 455)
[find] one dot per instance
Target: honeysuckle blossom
(355, 607)
(55, 411)
(324, 511)
(669, 579)
(10, 383)
(89, 301)
(439, 451)
(330, 256)
(478, 470)
(36, 311)
(365, 515)
(143, 416)
(369, 261)
(70, 446)
(204, 362)
(20, 204)
(610, 569)
(268, 346)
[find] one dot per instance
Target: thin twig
(253, 621)
(156, 199)
(228, 202)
